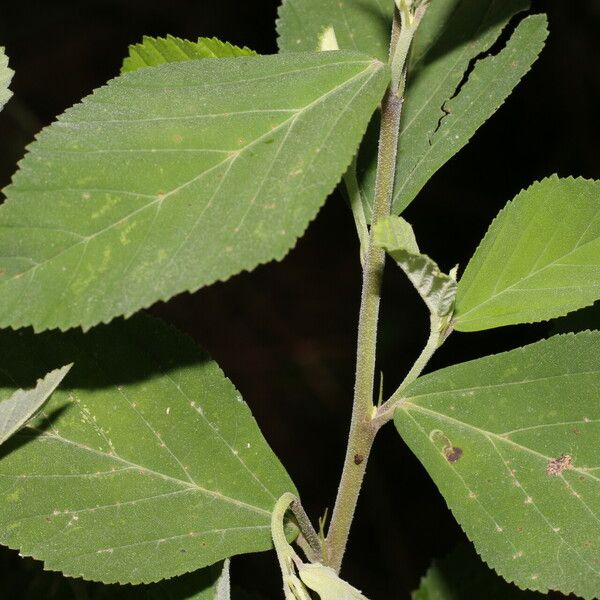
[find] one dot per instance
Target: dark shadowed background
(285, 333)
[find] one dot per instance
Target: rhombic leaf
(463, 576)
(512, 443)
(158, 51)
(6, 75)
(23, 404)
(540, 258)
(148, 465)
(174, 177)
(441, 112)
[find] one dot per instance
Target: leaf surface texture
(540, 258)
(511, 441)
(144, 465)
(171, 178)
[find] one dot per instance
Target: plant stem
(313, 548)
(362, 428)
(386, 411)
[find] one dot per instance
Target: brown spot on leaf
(557, 465)
(358, 458)
(453, 453)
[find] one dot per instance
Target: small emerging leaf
(6, 76)
(540, 258)
(149, 466)
(157, 51)
(437, 289)
(462, 575)
(327, 584)
(223, 591)
(511, 441)
(23, 404)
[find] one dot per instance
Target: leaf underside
(512, 443)
(6, 76)
(23, 404)
(441, 112)
(540, 258)
(437, 289)
(158, 51)
(463, 576)
(171, 178)
(144, 465)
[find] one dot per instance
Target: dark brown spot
(453, 453)
(358, 458)
(557, 465)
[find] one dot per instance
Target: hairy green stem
(362, 429)
(364, 425)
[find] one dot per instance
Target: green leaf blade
(363, 26)
(6, 75)
(148, 467)
(23, 404)
(437, 289)
(511, 442)
(540, 258)
(487, 87)
(153, 52)
(172, 178)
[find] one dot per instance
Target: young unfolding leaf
(512, 443)
(223, 588)
(171, 178)
(327, 584)
(6, 75)
(157, 51)
(436, 288)
(540, 258)
(150, 465)
(463, 576)
(23, 404)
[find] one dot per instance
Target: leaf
(6, 76)
(362, 25)
(327, 584)
(433, 133)
(157, 51)
(171, 178)
(462, 576)
(539, 259)
(441, 112)
(512, 443)
(23, 404)
(149, 466)
(436, 288)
